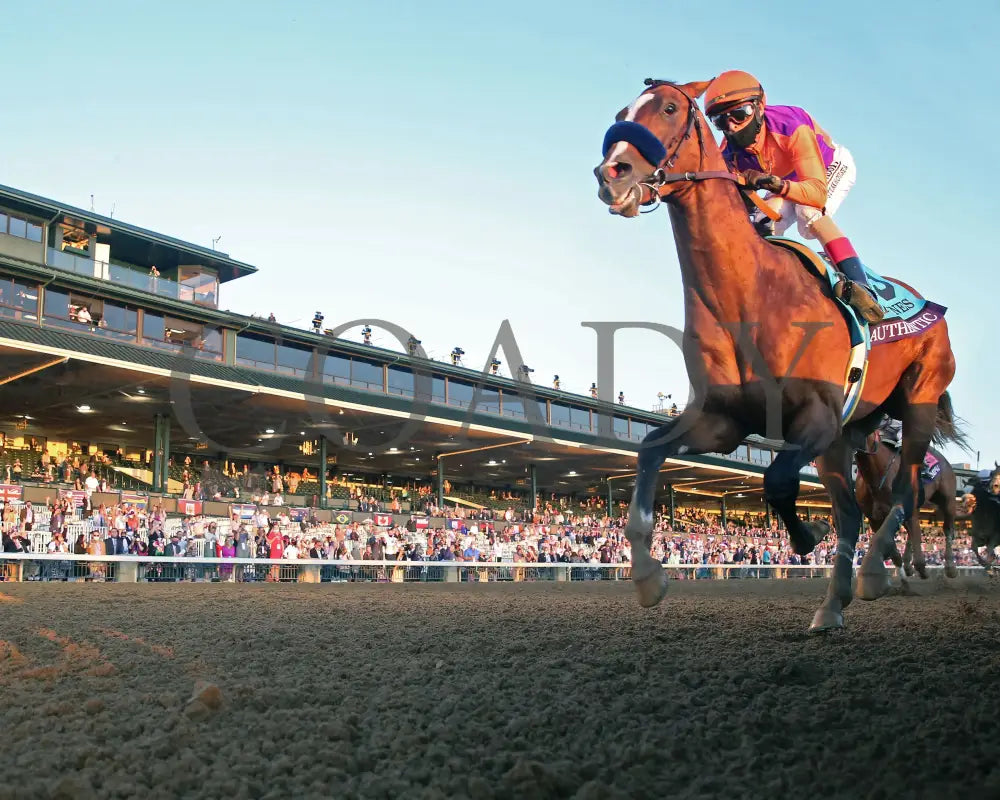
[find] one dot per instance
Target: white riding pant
(840, 177)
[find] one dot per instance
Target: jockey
(781, 149)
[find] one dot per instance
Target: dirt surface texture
(545, 690)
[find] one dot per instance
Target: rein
(663, 157)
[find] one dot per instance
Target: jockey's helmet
(735, 101)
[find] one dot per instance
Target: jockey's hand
(762, 180)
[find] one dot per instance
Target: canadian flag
(383, 520)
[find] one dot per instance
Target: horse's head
(994, 480)
(662, 130)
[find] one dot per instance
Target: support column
(672, 506)
(611, 499)
(165, 467)
(440, 486)
(322, 471)
(767, 514)
(157, 444)
(723, 516)
(533, 476)
(808, 514)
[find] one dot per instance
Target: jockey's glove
(761, 180)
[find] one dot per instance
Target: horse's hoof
(922, 571)
(951, 571)
(909, 570)
(652, 588)
(873, 584)
(825, 620)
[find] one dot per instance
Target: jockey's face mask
(740, 125)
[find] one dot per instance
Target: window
(459, 393)
(621, 427)
(579, 418)
(639, 430)
(18, 300)
(198, 285)
(435, 384)
(255, 351)
(401, 381)
(366, 374)
(560, 415)
(21, 227)
(295, 360)
(513, 405)
(117, 321)
(152, 327)
(487, 400)
(336, 369)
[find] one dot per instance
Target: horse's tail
(948, 426)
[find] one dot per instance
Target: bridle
(639, 136)
(649, 146)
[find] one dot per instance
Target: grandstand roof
(226, 411)
(129, 242)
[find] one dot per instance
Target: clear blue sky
(430, 163)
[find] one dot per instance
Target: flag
(10, 491)
(139, 501)
(78, 496)
(297, 514)
(242, 510)
(190, 507)
(382, 520)
(421, 523)
(342, 518)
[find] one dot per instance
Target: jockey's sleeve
(809, 186)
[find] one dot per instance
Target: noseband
(661, 156)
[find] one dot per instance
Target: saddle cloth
(906, 314)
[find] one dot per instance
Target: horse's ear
(621, 114)
(696, 88)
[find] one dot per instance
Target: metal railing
(132, 569)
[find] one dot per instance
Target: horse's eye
(670, 109)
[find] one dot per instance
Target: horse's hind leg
(692, 432)
(835, 472)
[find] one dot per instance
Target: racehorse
(983, 506)
(766, 351)
(878, 464)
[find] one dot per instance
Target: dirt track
(544, 690)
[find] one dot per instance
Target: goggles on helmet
(737, 115)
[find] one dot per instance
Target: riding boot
(853, 288)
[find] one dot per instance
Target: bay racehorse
(878, 464)
(766, 351)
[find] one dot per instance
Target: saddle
(906, 314)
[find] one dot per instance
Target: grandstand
(118, 356)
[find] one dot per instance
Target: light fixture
(491, 463)
(269, 430)
(302, 433)
(572, 472)
(140, 390)
(393, 449)
(84, 409)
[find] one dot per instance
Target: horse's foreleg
(691, 432)
(835, 472)
(809, 434)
